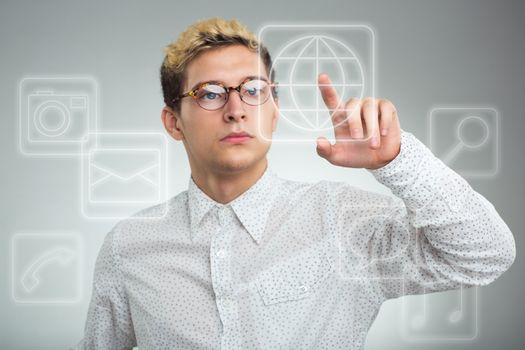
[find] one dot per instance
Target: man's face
(204, 131)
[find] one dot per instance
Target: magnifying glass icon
(463, 141)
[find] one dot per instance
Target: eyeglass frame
(193, 93)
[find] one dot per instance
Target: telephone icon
(30, 278)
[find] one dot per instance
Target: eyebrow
(249, 77)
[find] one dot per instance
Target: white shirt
(292, 265)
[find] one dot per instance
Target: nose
(234, 107)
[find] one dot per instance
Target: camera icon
(55, 114)
(466, 139)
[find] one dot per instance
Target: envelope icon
(124, 176)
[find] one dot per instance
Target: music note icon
(442, 316)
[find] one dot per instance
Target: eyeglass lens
(214, 96)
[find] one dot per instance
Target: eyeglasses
(213, 95)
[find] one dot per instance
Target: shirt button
(303, 288)
(221, 254)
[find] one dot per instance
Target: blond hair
(204, 35)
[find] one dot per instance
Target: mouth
(237, 137)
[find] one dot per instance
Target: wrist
(381, 165)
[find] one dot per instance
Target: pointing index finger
(328, 92)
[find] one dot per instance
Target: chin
(237, 162)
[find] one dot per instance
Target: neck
(225, 187)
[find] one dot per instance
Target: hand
(367, 132)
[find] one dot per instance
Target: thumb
(324, 148)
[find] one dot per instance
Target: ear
(172, 122)
(275, 117)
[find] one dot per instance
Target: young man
(247, 260)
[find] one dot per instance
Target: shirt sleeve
(436, 233)
(108, 324)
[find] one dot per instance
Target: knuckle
(338, 120)
(338, 105)
(351, 103)
(354, 121)
(386, 110)
(388, 104)
(351, 107)
(368, 103)
(338, 117)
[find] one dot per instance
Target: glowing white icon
(122, 173)
(46, 268)
(300, 54)
(114, 171)
(55, 114)
(466, 139)
(441, 317)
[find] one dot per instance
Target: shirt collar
(252, 207)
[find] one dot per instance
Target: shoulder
(151, 222)
(333, 195)
(321, 189)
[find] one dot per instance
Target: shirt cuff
(417, 176)
(405, 155)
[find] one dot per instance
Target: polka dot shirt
(292, 265)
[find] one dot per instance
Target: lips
(237, 136)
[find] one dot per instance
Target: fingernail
(383, 132)
(356, 133)
(374, 141)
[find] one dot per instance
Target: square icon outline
(353, 26)
(495, 169)
(24, 141)
(94, 138)
(75, 237)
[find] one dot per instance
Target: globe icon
(298, 65)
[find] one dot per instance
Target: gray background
(430, 53)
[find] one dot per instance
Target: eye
(209, 96)
(255, 87)
(210, 92)
(252, 91)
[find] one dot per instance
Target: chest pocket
(295, 278)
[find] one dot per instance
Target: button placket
(224, 216)
(222, 276)
(220, 265)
